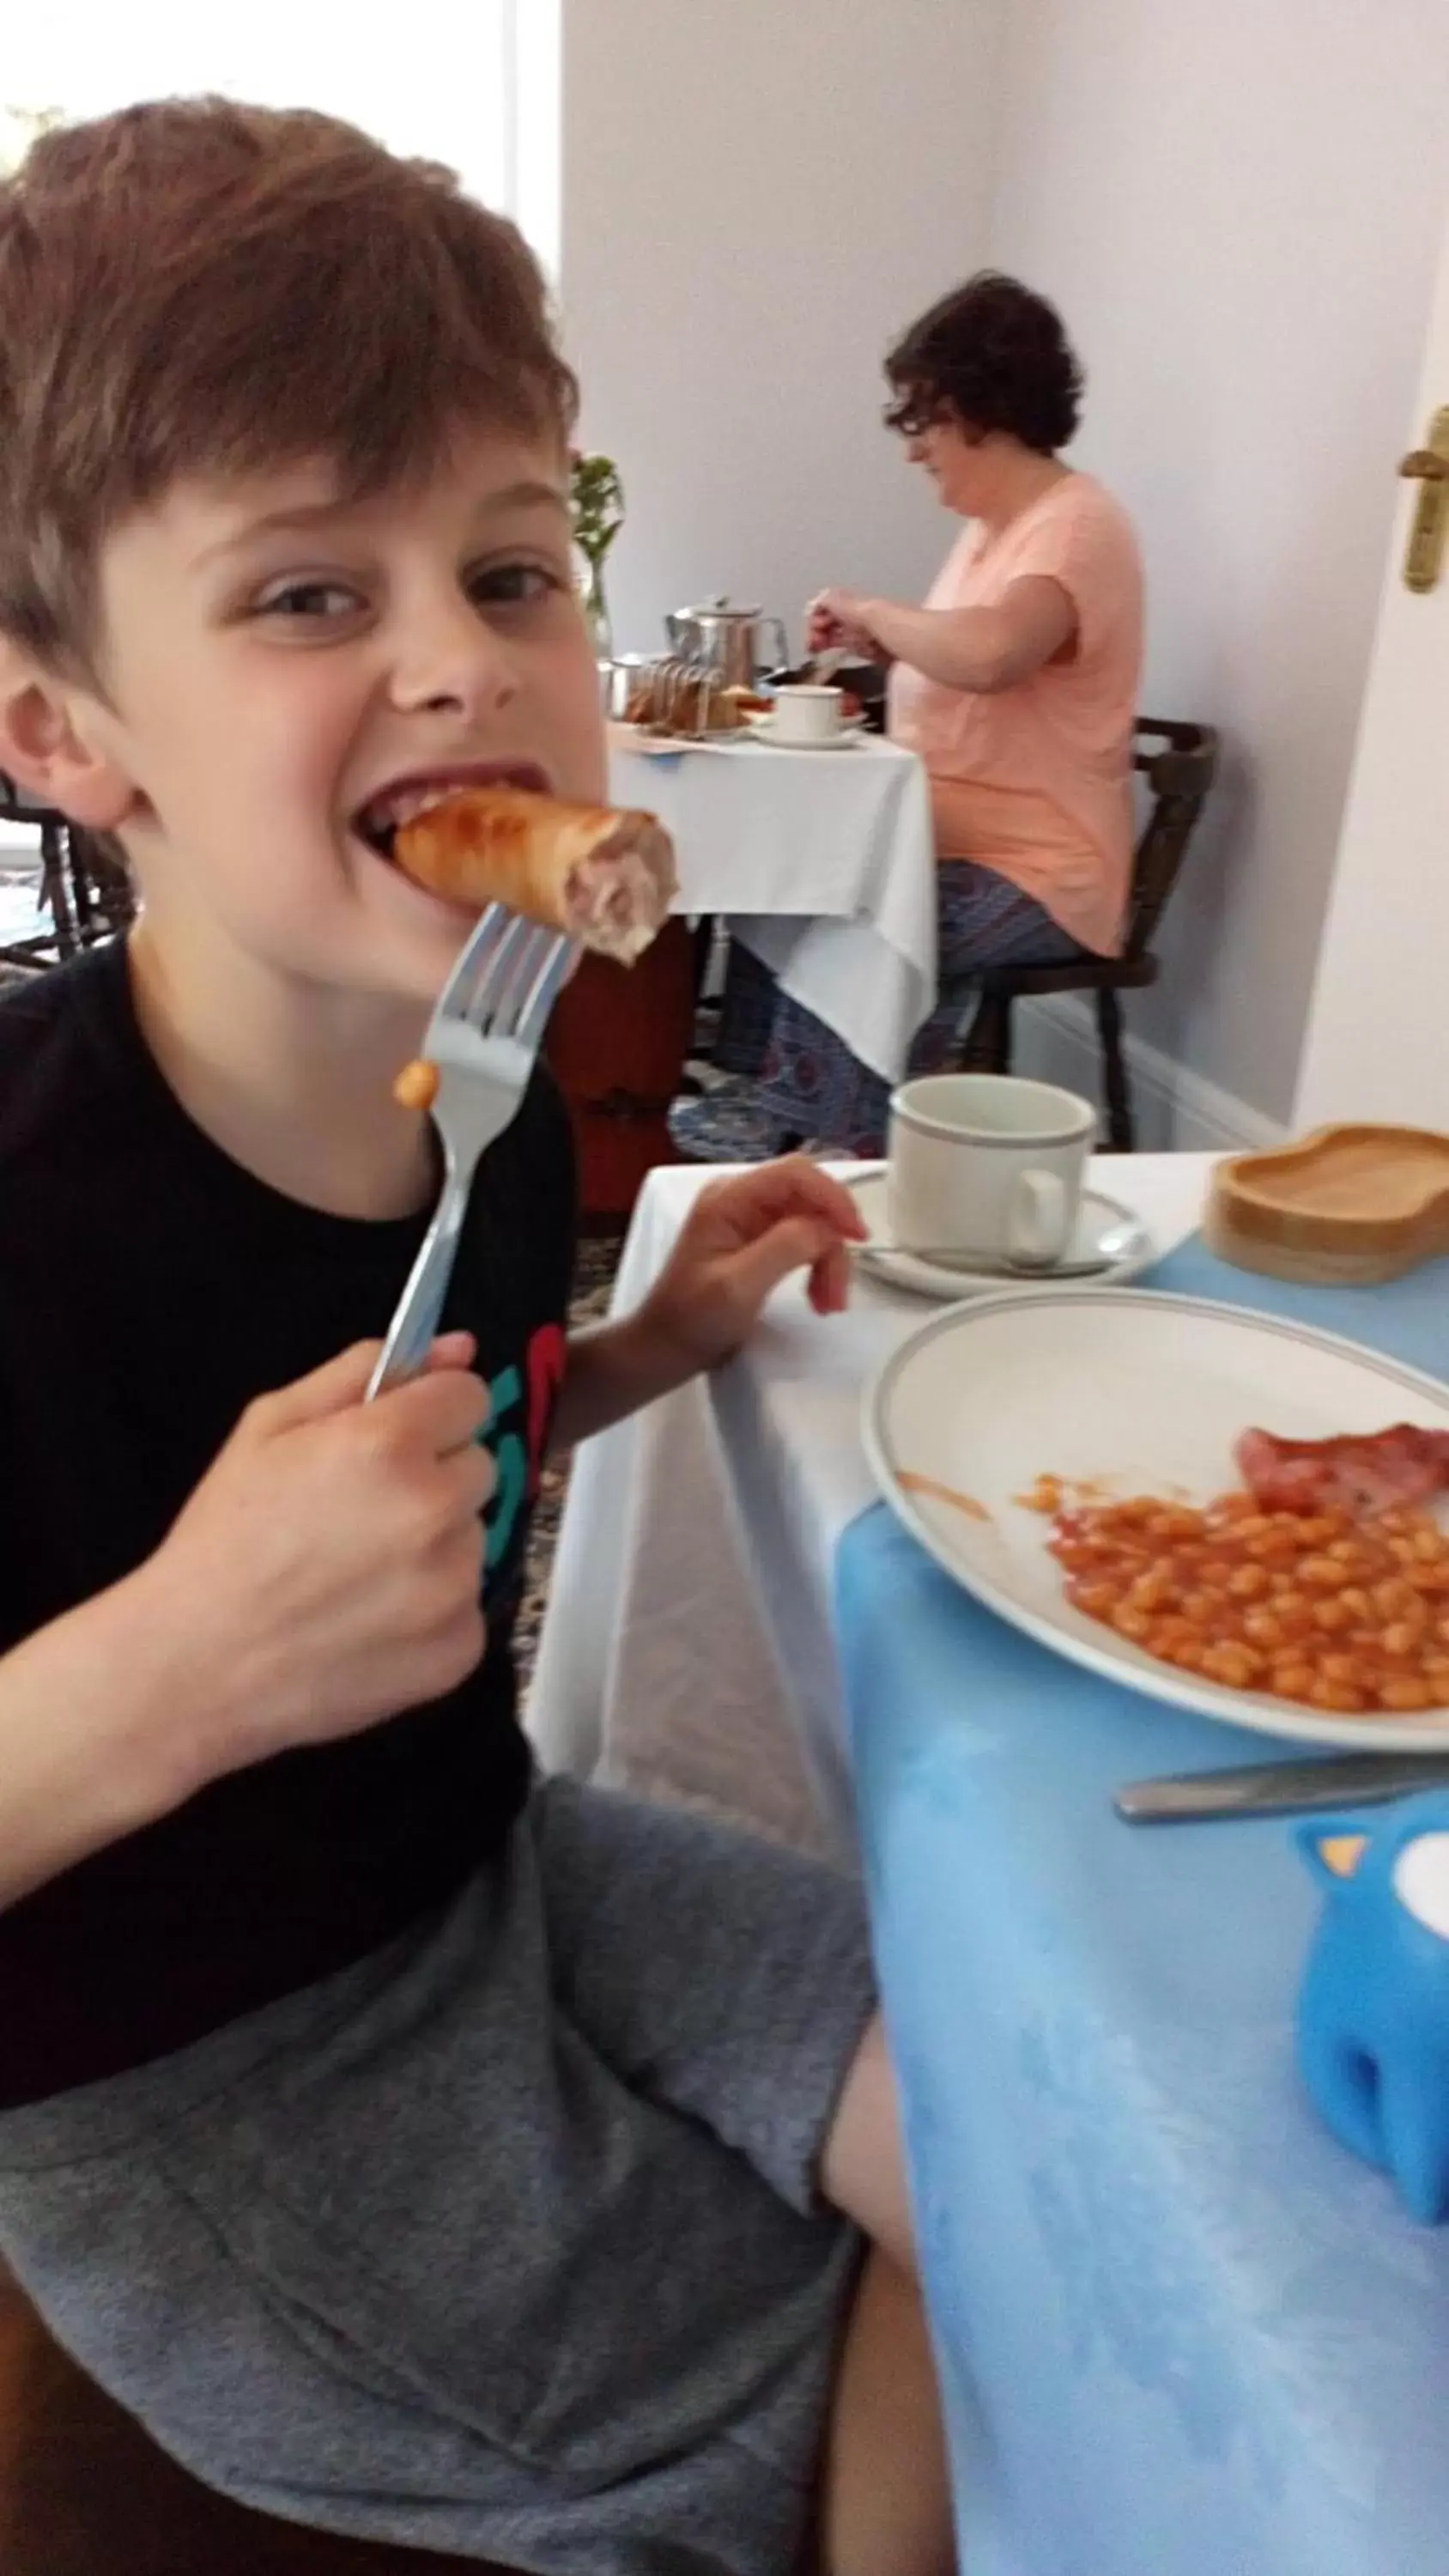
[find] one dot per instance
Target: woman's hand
(836, 621)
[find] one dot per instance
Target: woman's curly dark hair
(996, 355)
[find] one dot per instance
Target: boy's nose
(450, 660)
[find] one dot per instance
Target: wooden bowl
(1346, 1207)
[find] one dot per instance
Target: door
(1377, 1045)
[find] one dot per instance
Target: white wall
(756, 199)
(1237, 204)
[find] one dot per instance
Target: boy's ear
(47, 745)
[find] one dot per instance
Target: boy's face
(274, 659)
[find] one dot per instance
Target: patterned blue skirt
(797, 1079)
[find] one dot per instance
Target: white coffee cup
(804, 713)
(986, 1167)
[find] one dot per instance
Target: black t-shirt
(149, 1289)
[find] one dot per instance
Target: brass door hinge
(1429, 468)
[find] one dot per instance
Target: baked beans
(1347, 1616)
(417, 1085)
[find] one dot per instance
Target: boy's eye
(307, 599)
(513, 585)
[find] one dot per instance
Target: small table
(819, 861)
(1181, 2333)
(824, 863)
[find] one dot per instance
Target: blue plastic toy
(1373, 2014)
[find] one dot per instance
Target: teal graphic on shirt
(521, 1403)
(510, 1457)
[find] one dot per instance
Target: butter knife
(1281, 1788)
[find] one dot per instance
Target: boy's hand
(328, 1565)
(742, 1237)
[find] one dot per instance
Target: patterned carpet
(598, 1260)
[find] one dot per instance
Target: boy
(416, 2149)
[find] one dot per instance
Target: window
(476, 85)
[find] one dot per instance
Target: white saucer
(762, 729)
(1097, 1216)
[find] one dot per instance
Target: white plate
(762, 729)
(936, 1279)
(1137, 1393)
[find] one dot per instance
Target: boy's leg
(885, 2496)
(863, 2168)
(731, 1979)
(886, 2503)
(428, 2254)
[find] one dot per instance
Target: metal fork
(484, 1038)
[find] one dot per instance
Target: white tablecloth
(824, 863)
(688, 1648)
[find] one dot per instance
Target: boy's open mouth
(378, 821)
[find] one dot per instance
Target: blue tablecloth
(1181, 2332)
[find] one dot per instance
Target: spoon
(1117, 1243)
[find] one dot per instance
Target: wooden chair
(84, 2492)
(617, 1045)
(82, 887)
(1179, 772)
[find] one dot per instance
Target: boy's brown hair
(194, 287)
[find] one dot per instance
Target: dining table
(822, 861)
(1179, 2331)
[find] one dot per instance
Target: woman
(1015, 683)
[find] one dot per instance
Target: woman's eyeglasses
(911, 415)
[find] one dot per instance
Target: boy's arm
(95, 1713)
(741, 1238)
(614, 1370)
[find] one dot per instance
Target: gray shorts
(506, 2240)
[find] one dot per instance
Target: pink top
(1036, 780)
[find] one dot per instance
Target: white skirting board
(1176, 1110)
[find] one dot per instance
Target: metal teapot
(722, 638)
